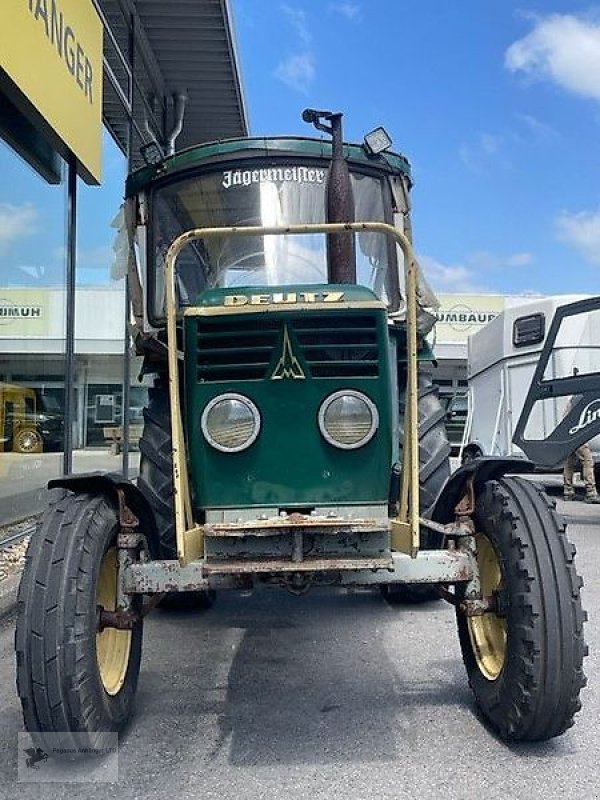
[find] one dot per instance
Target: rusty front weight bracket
(129, 543)
(466, 506)
(471, 602)
(127, 519)
(124, 619)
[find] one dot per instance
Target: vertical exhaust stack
(179, 101)
(341, 259)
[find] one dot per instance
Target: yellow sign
(24, 312)
(52, 51)
(460, 315)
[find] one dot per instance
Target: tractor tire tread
(538, 692)
(52, 634)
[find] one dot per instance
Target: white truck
(503, 357)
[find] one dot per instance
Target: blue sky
(496, 104)
(33, 223)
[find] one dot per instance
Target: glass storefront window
(100, 317)
(32, 336)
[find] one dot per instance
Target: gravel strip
(13, 558)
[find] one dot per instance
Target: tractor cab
(266, 182)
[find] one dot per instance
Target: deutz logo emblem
(282, 298)
(288, 365)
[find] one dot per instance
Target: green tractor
(294, 438)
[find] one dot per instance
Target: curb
(8, 594)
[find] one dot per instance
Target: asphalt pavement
(333, 694)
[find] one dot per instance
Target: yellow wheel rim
(488, 631)
(112, 645)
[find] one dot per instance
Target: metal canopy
(155, 49)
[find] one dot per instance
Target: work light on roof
(152, 154)
(377, 141)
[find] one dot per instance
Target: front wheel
(524, 660)
(76, 682)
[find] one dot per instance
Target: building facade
(85, 85)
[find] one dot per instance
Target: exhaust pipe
(341, 258)
(180, 100)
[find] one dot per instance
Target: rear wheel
(76, 683)
(434, 470)
(524, 660)
(156, 483)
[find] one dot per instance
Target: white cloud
(351, 11)
(563, 48)
(298, 69)
(540, 131)
(297, 19)
(16, 222)
(582, 232)
(449, 277)
(520, 259)
(485, 259)
(101, 256)
(484, 153)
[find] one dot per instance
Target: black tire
(156, 484)
(535, 693)
(434, 470)
(156, 472)
(65, 703)
(434, 447)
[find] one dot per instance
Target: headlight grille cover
(230, 422)
(348, 419)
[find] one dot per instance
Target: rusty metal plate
(277, 525)
(308, 565)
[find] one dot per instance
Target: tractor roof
(261, 147)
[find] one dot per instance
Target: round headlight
(348, 419)
(230, 422)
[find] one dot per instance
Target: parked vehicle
(293, 438)
(503, 357)
(19, 430)
(574, 336)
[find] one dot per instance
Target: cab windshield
(273, 195)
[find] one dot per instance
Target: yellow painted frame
(405, 527)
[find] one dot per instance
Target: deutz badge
(288, 365)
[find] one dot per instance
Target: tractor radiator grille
(344, 347)
(328, 346)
